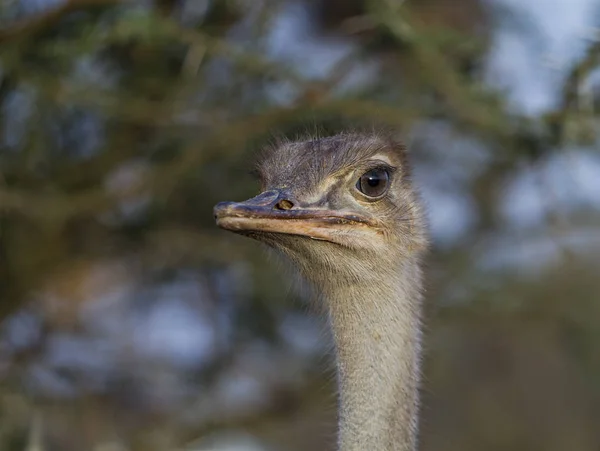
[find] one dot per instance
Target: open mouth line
(299, 217)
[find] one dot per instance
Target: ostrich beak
(273, 212)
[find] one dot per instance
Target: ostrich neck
(376, 328)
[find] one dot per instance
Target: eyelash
(391, 169)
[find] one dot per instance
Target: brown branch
(558, 119)
(578, 73)
(34, 25)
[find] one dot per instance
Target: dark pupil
(373, 183)
(373, 180)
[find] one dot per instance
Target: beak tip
(222, 208)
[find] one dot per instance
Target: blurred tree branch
(577, 75)
(468, 103)
(571, 95)
(29, 27)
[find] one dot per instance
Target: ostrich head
(339, 207)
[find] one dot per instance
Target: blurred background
(128, 321)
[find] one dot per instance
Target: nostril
(284, 204)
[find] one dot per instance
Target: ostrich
(343, 209)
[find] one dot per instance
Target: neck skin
(376, 328)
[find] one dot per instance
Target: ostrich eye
(374, 183)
